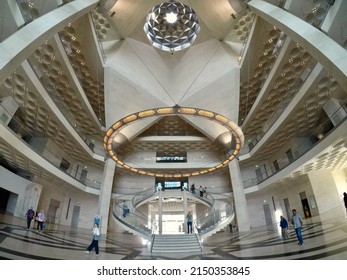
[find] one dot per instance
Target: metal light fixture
(171, 26)
(112, 133)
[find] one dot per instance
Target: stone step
(163, 241)
(175, 236)
(163, 244)
(186, 237)
(176, 243)
(177, 250)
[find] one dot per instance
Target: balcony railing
(320, 132)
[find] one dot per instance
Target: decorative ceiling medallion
(171, 26)
(113, 131)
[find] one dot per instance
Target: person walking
(296, 221)
(230, 227)
(125, 209)
(97, 220)
(95, 240)
(29, 215)
(205, 192)
(40, 220)
(345, 201)
(284, 228)
(192, 189)
(189, 223)
(201, 190)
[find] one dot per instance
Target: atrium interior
(233, 111)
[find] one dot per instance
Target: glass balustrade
(220, 211)
(133, 218)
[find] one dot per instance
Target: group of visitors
(203, 191)
(39, 217)
(296, 221)
(232, 227)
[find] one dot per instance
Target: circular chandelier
(114, 130)
(171, 26)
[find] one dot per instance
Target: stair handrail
(134, 219)
(208, 198)
(143, 195)
(205, 213)
(150, 192)
(221, 211)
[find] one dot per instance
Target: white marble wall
(325, 190)
(325, 187)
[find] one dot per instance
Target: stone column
(160, 212)
(185, 211)
(105, 194)
(240, 203)
(150, 217)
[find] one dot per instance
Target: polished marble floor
(324, 238)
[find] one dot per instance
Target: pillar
(105, 194)
(240, 203)
(160, 212)
(185, 211)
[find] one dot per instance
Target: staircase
(212, 221)
(176, 243)
(218, 214)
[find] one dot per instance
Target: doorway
(305, 205)
(84, 173)
(75, 216)
(306, 208)
(259, 175)
(267, 214)
(4, 196)
(53, 207)
(290, 155)
(173, 223)
(276, 165)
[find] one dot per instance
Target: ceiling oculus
(171, 26)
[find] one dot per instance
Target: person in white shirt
(95, 241)
(40, 221)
